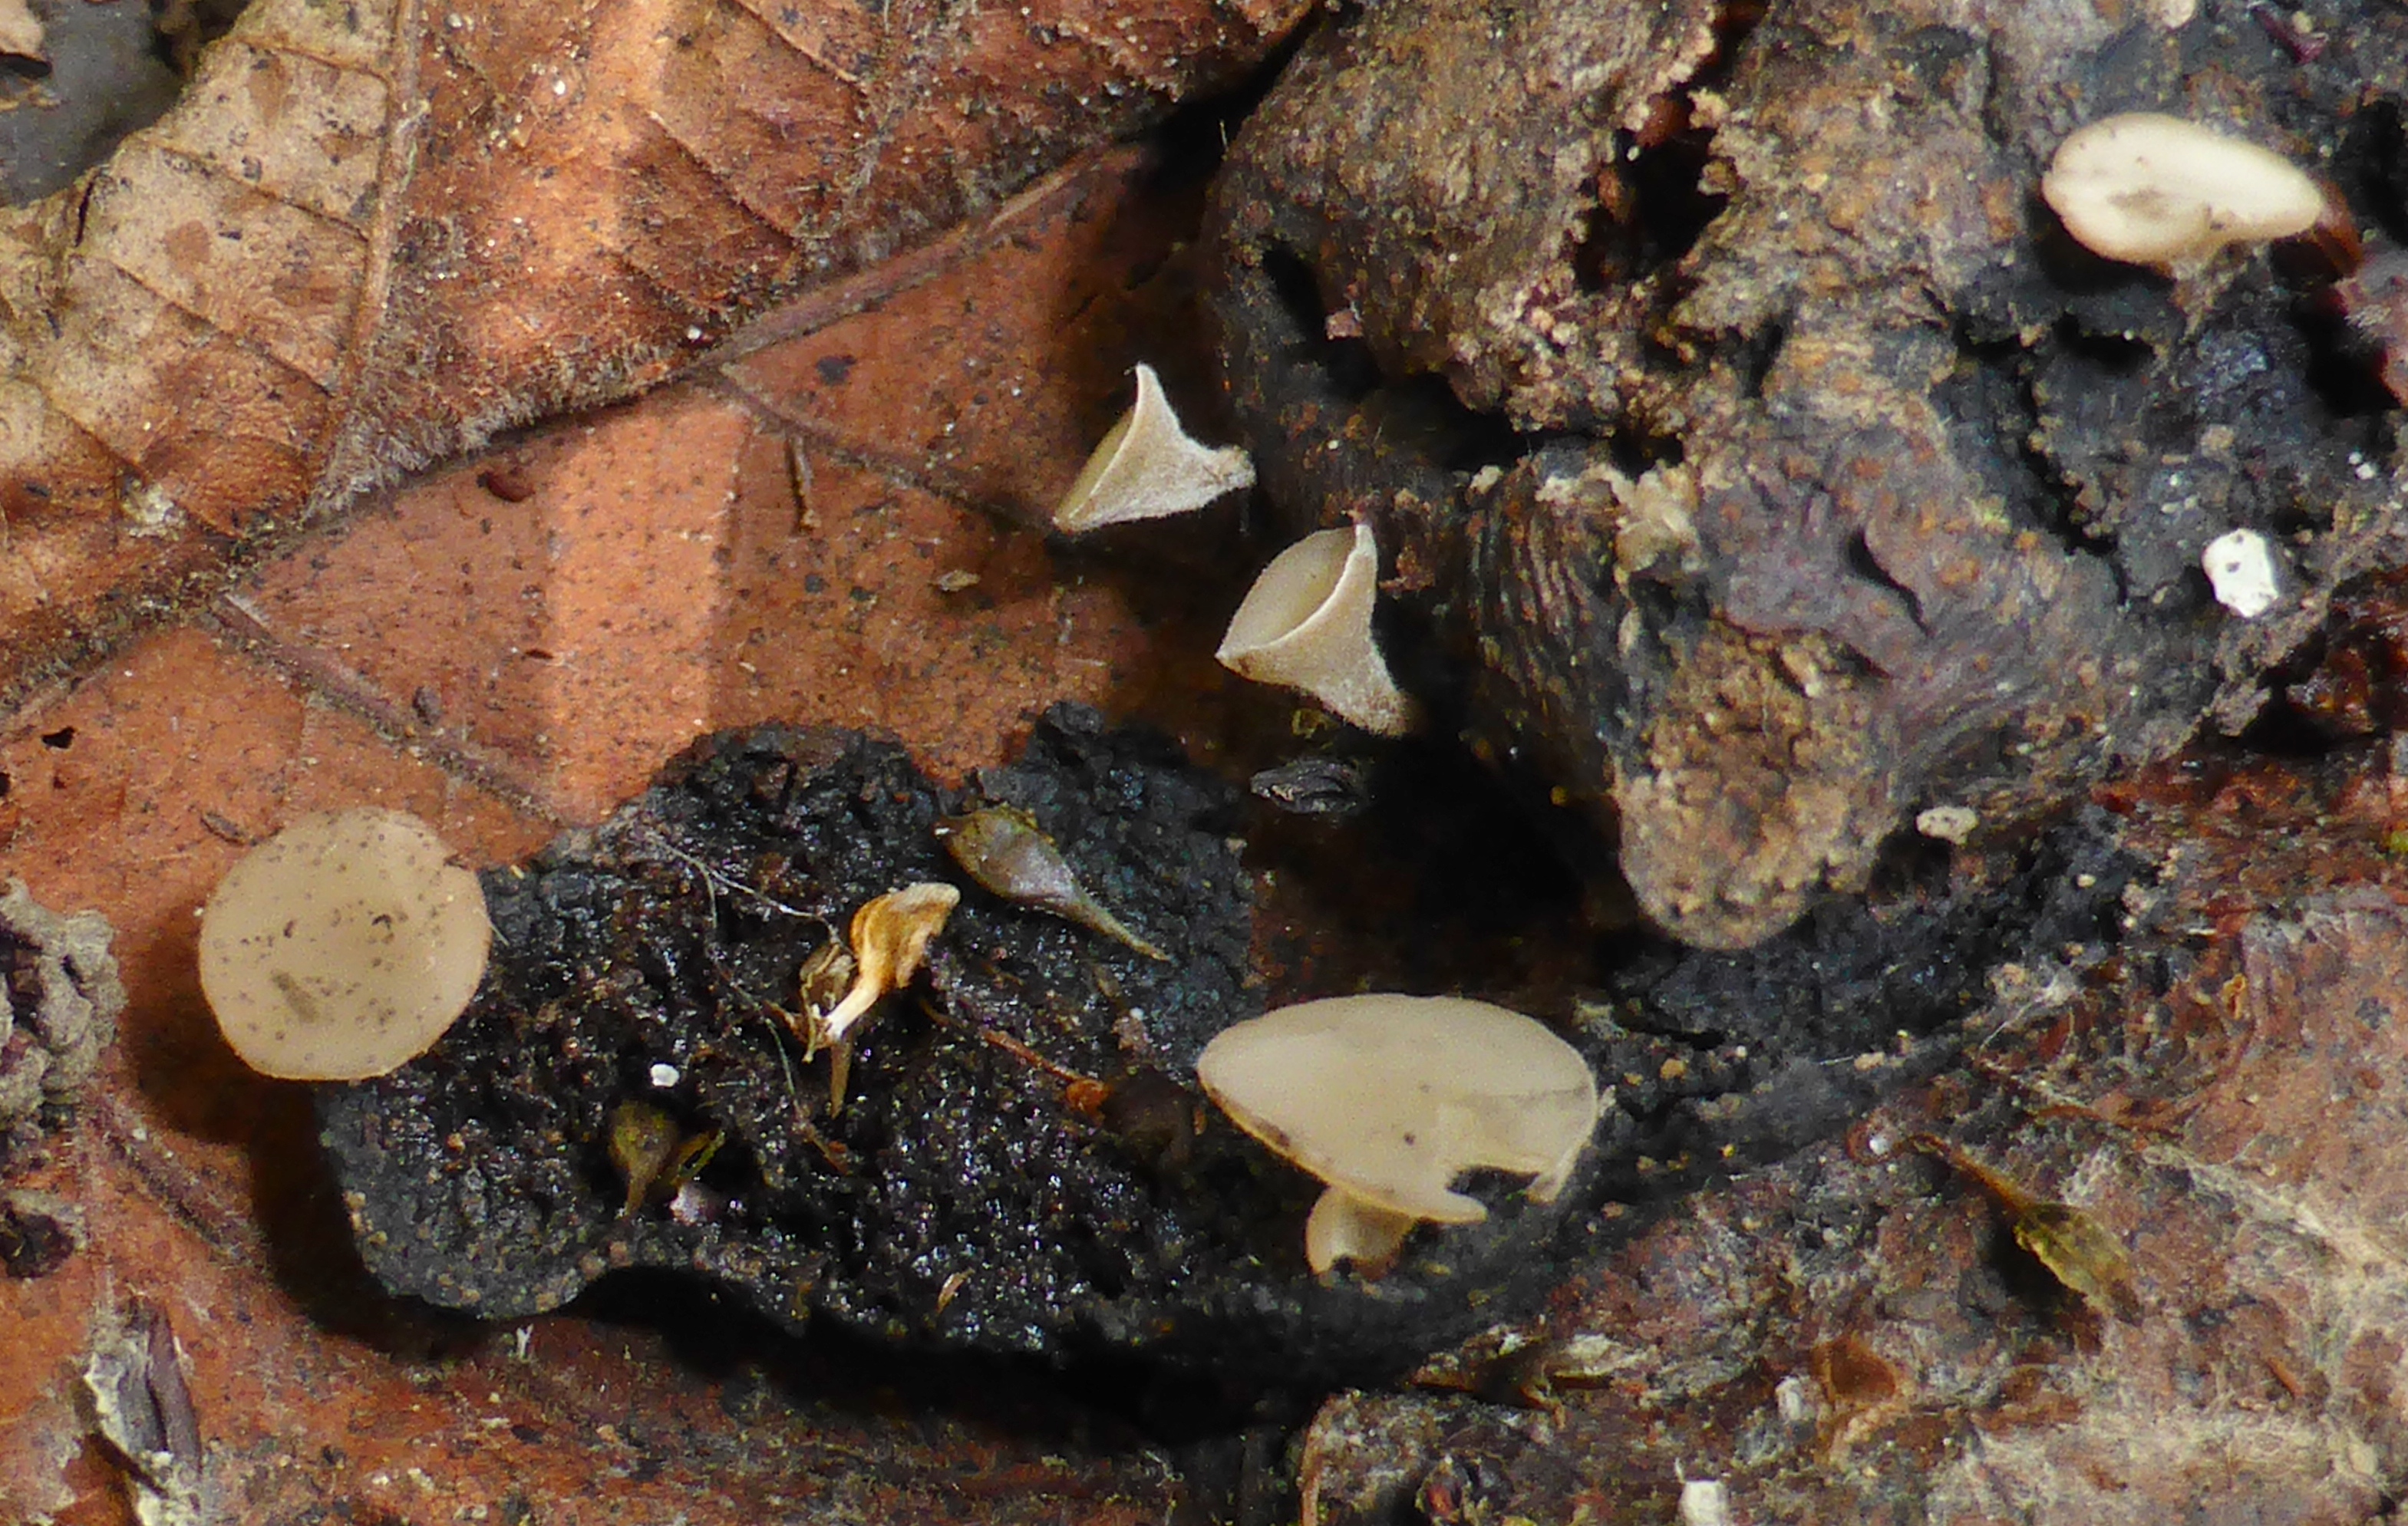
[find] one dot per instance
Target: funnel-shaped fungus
(1306, 624)
(343, 946)
(2158, 190)
(1148, 468)
(1387, 1099)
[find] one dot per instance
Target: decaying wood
(1766, 464)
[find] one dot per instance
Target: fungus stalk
(1003, 848)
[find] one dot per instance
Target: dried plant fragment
(890, 937)
(1003, 848)
(827, 976)
(653, 1155)
(1315, 785)
(144, 1411)
(1148, 468)
(2078, 1251)
(642, 1141)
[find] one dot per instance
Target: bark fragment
(1761, 454)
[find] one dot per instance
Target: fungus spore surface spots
(342, 945)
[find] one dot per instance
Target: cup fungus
(1148, 468)
(1306, 624)
(2158, 190)
(343, 946)
(1387, 1099)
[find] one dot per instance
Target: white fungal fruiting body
(1148, 468)
(1387, 1099)
(2158, 190)
(1704, 1501)
(1306, 624)
(343, 946)
(2240, 567)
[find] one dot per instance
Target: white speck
(560, 87)
(665, 1077)
(694, 335)
(1948, 823)
(1792, 1401)
(1704, 1501)
(2240, 566)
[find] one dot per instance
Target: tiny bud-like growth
(1148, 467)
(342, 946)
(1387, 1099)
(1002, 847)
(1306, 624)
(2158, 190)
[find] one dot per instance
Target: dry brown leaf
(372, 236)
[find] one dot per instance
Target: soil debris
(1023, 1163)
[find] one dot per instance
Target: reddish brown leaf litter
(503, 668)
(372, 236)
(1851, 1334)
(1796, 472)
